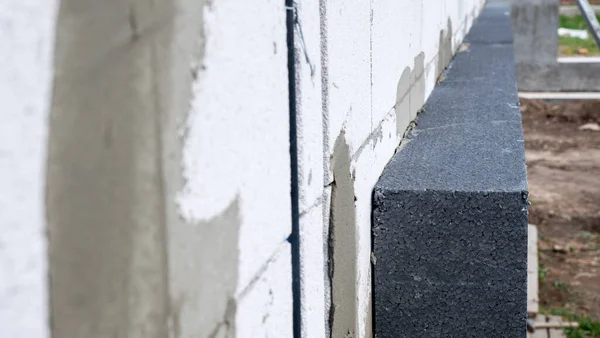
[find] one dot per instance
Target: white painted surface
(264, 307)
(397, 28)
(309, 107)
(310, 170)
(349, 76)
(26, 41)
(237, 131)
(236, 143)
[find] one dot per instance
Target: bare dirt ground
(564, 181)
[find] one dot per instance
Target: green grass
(588, 327)
(560, 286)
(575, 22)
(587, 235)
(542, 273)
(569, 45)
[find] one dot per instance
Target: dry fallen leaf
(583, 51)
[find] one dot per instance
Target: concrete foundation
(450, 210)
(534, 26)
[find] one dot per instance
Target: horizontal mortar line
(459, 30)
(372, 134)
(429, 63)
(389, 113)
(412, 85)
(316, 203)
(263, 268)
(450, 125)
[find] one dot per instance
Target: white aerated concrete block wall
(237, 147)
(310, 169)
(27, 46)
(363, 71)
(379, 62)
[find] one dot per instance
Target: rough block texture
(450, 210)
(492, 25)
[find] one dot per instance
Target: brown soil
(564, 183)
